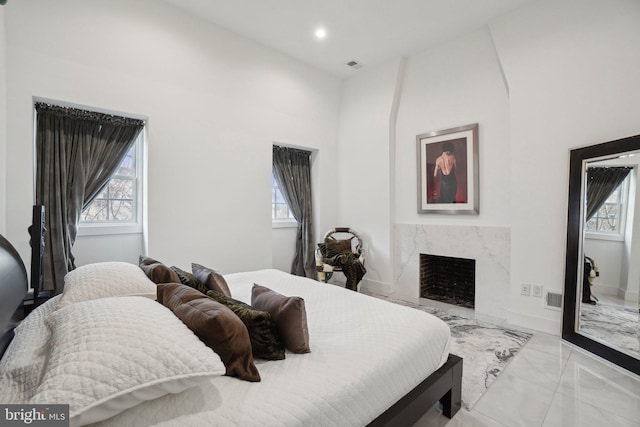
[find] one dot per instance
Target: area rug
(612, 323)
(485, 348)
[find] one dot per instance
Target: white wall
(216, 103)
(608, 255)
(454, 84)
(539, 81)
(365, 169)
(283, 241)
(433, 90)
(630, 266)
(3, 123)
(572, 70)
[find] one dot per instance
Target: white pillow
(110, 354)
(22, 364)
(104, 279)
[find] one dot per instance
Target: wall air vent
(553, 300)
(354, 64)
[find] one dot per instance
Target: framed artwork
(448, 171)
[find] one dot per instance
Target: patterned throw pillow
(265, 341)
(189, 279)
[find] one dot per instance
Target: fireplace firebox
(448, 279)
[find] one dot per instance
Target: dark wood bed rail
(444, 385)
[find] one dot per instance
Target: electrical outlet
(536, 291)
(525, 289)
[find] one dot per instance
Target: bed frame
(444, 385)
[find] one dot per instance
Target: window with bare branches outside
(118, 202)
(610, 218)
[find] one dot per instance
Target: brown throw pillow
(211, 279)
(265, 341)
(288, 313)
(156, 271)
(337, 247)
(216, 325)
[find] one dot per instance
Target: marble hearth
(488, 246)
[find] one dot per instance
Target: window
(119, 202)
(610, 218)
(280, 212)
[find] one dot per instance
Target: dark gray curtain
(601, 182)
(292, 170)
(77, 151)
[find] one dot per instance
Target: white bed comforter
(365, 355)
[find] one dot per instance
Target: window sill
(604, 236)
(284, 223)
(108, 229)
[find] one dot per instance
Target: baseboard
(629, 296)
(553, 327)
(376, 287)
(602, 289)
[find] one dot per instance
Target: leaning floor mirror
(601, 311)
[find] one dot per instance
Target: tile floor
(551, 383)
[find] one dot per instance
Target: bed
(371, 362)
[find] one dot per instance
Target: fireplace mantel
(489, 246)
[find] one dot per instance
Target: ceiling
(367, 31)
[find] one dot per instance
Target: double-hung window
(281, 215)
(118, 207)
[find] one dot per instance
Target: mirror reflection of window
(610, 218)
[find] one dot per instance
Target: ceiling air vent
(354, 64)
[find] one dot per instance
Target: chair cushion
(337, 247)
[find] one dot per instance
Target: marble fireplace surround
(489, 246)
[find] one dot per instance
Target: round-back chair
(335, 241)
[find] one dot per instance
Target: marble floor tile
(551, 383)
(538, 367)
(463, 418)
(550, 344)
(568, 411)
(515, 402)
(601, 385)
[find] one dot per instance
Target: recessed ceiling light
(321, 33)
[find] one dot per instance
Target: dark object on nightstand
(30, 303)
(37, 230)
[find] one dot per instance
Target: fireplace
(448, 279)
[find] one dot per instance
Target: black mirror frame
(574, 233)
